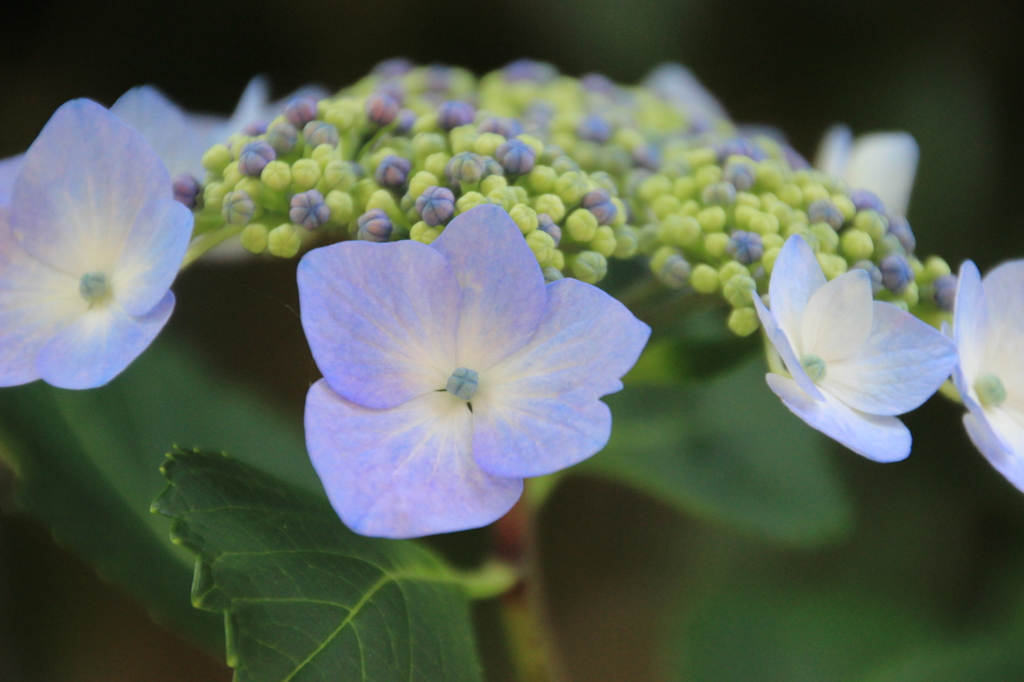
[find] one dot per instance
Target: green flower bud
(730, 270)
(305, 174)
(934, 268)
(493, 182)
(470, 200)
(343, 115)
(769, 175)
(708, 175)
(420, 182)
(216, 158)
(665, 205)
(277, 175)
(254, 237)
(232, 175)
(627, 241)
(582, 225)
(791, 194)
(604, 241)
(542, 245)
(911, 295)
(700, 156)
(505, 196)
(341, 205)
(462, 138)
(423, 233)
(436, 163)
(571, 187)
(542, 179)
(620, 212)
(716, 244)
(704, 279)
(764, 223)
(743, 321)
(873, 223)
(551, 204)
(284, 240)
(740, 291)
(425, 144)
(251, 186)
(828, 239)
(845, 206)
(684, 188)
(768, 259)
(385, 201)
(526, 218)
(691, 208)
(361, 192)
(487, 144)
(337, 175)
(772, 241)
(856, 245)
(589, 267)
(712, 219)
(832, 265)
(653, 187)
(814, 192)
(213, 196)
(743, 214)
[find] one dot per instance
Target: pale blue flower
(855, 362)
(988, 327)
(884, 163)
(89, 246)
(452, 372)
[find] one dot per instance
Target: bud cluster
(589, 170)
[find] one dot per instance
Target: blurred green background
(930, 579)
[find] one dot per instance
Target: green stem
(207, 241)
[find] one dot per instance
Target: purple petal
(152, 255)
(380, 319)
(406, 471)
(9, 168)
(503, 295)
(538, 411)
(175, 138)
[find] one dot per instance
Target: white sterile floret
(988, 327)
(884, 163)
(855, 362)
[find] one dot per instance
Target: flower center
(463, 383)
(814, 366)
(94, 287)
(990, 389)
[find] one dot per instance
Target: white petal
(152, 255)
(903, 362)
(778, 339)
(795, 278)
(406, 471)
(837, 319)
(970, 322)
(167, 129)
(251, 106)
(834, 151)
(886, 164)
(883, 439)
(678, 85)
(9, 168)
(1001, 440)
(1004, 344)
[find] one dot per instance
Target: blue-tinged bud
(283, 137)
(528, 70)
(374, 226)
(238, 208)
(393, 68)
(320, 132)
(719, 194)
(599, 202)
(866, 200)
(549, 227)
(254, 128)
(455, 113)
(300, 111)
(309, 210)
(492, 167)
(738, 146)
(516, 156)
(741, 175)
(465, 167)
(945, 292)
(595, 129)
(463, 383)
(900, 228)
(254, 158)
(825, 211)
(647, 156)
(186, 189)
(381, 109)
(436, 205)
(564, 164)
(406, 120)
(896, 273)
(675, 271)
(552, 274)
(392, 171)
(501, 125)
(745, 247)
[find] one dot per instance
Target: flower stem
(207, 241)
(531, 638)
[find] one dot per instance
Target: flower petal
(678, 85)
(406, 471)
(538, 411)
(778, 339)
(886, 164)
(837, 319)
(176, 140)
(95, 347)
(9, 168)
(1004, 297)
(902, 363)
(152, 255)
(795, 277)
(883, 439)
(970, 321)
(1000, 438)
(83, 183)
(834, 151)
(380, 319)
(503, 294)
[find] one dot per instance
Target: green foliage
(726, 449)
(87, 465)
(304, 598)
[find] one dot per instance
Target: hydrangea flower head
(855, 362)
(988, 327)
(452, 372)
(89, 247)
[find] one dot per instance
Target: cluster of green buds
(591, 172)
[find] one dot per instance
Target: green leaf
(726, 449)
(303, 596)
(87, 466)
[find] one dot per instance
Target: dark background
(941, 528)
